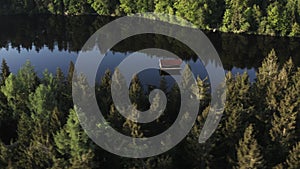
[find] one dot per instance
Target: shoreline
(211, 30)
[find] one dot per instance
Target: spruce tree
(137, 94)
(128, 6)
(130, 127)
(193, 154)
(237, 111)
(4, 71)
(70, 73)
(248, 151)
(293, 160)
(283, 100)
(25, 127)
(277, 18)
(104, 92)
(103, 7)
(18, 88)
(265, 75)
(195, 11)
(73, 144)
(42, 102)
(164, 6)
(237, 16)
(8, 119)
(7, 154)
(62, 93)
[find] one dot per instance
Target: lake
(54, 41)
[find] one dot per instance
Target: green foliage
(17, 88)
(73, 143)
(136, 93)
(104, 7)
(277, 19)
(56, 7)
(293, 160)
(49, 134)
(128, 6)
(295, 30)
(248, 152)
(103, 92)
(191, 10)
(164, 6)
(132, 128)
(4, 71)
(238, 16)
(5, 110)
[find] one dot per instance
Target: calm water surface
(54, 41)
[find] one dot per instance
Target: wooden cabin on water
(170, 64)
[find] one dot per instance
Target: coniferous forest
(270, 17)
(260, 127)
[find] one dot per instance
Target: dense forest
(280, 17)
(260, 127)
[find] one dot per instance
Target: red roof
(169, 62)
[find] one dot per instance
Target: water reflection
(52, 41)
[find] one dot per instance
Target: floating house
(170, 64)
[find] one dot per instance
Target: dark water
(53, 41)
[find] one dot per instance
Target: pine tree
(115, 118)
(103, 92)
(25, 127)
(164, 6)
(40, 153)
(128, 6)
(291, 7)
(137, 94)
(28, 78)
(130, 127)
(265, 76)
(187, 81)
(293, 160)
(8, 119)
(103, 7)
(42, 103)
(237, 16)
(121, 91)
(193, 154)
(193, 10)
(62, 93)
(70, 73)
(295, 30)
(4, 71)
(248, 151)
(237, 112)
(37, 150)
(7, 154)
(73, 144)
(133, 130)
(277, 19)
(17, 88)
(284, 122)
(257, 18)
(285, 105)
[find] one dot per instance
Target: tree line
(70, 34)
(268, 17)
(260, 127)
